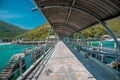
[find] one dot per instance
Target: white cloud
(7, 15)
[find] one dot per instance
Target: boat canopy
(69, 16)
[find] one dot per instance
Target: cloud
(7, 15)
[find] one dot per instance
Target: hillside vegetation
(99, 30)
(9, 31)
(39, 33)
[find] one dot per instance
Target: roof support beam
(73, 28)
(69, 14)
(34, 9)
(62, 27)
(61, 30)
(89, 14)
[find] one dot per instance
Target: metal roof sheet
(69, 16)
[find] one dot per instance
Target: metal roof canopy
(70, 16)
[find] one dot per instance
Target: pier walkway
(63, 65)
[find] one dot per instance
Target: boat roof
(69, 16)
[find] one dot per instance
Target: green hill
(99, 30)
(39, 33)
(9, 31)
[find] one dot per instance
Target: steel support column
(112, 34)
(47, 40)
(115, 39)
(58, 38)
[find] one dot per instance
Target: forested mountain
(9, 31)
(39, 33)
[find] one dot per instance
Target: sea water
(106, 44)
(8, 50)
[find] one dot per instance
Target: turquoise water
(7, 51)
(107, 44)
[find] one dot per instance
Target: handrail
(18, 60)
(98, 50)
(23, 65)
(34, 65)
(116, 74)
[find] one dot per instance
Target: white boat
(111, 39)
(5, 43)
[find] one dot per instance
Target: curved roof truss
(76, 15)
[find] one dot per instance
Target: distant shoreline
(5, 43)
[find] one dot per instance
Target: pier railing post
(20, 65)
(47, 40)
(34, 57)
(102, 57)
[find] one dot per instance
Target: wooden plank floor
(63, 65)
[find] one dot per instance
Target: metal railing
(99, 52)
(38, 65)
(88, 51)
(29, 59)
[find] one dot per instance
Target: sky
(18, 12)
